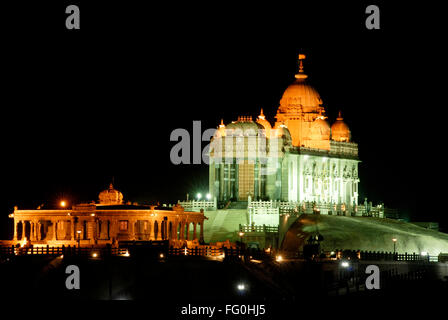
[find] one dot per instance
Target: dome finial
(339, 116)
(301, 74)
(261, 116)
(301, 58)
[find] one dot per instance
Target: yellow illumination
(23, 242)
(63, 203)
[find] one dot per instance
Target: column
(132, 229)
(32, 230)
(150, 228)
(55, 229)
(72, 230)
(187, 230)
(38, 226)
(182, 230)
(15, 229)
(36, 230)
(23, 230)
(201, 232)
(194, 231)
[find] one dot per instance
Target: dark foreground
(178, 281)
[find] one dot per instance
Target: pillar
(38, 226)
(194, 231)
(150, 228)
(132, 229)
(36, 231)
(72, 230)
(55, 229)
(187, 230)
(32, 230)
(201, 232)
(23, 230)
(15, 229)
(182, 230)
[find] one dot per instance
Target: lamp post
(395, 242)
(241, 234)
(79, 238)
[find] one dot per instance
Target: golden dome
(340, 131)
(281, 131)
(265, 123)
(300, 96)
(111, 196)
(320, 129)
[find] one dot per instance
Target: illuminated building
(299, 159)
(107, 222)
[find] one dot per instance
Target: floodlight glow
(241, 287)
(208, 196)
(424, 253)
(344, 264)
(199, 196)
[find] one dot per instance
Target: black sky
(82, 106)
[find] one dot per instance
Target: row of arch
(104, 230)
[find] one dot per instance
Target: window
(123, 225)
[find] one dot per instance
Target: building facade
(107, 222)
(299, 159)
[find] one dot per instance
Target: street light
(79, 237)
(208, 196)
(241, 234)
(395, 242)
(63, 203)
(199, 196)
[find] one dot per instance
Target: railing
(309, 207)
(193, 205)
(385, 256)
(204, 251)
(57, 251)
(197, 251)
(258, 228)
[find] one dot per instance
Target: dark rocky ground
(156, 285)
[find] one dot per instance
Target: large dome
(300, 96)
(340, 131)
(265, 123)
(320, 129)
(245, 126)
(110, 196)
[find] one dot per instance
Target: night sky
(81, 107)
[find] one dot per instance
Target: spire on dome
(261, 116)
(301, 74)
(339, 116)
